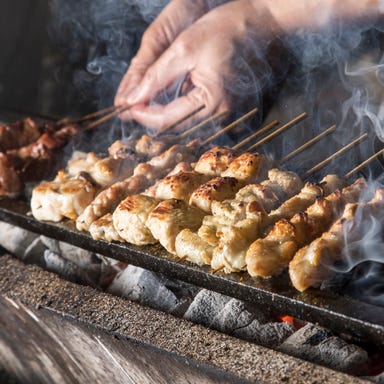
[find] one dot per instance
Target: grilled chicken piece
(299, 202)
(110, 170)
(217, 189)
(270, 255)
(313, 264)
(215, 161)
(20, 133)
(59, 199)
(247, 168)
(234, 240)
(103, 229)
(190, 246)
(81, 162)
(148, 146)
(143, 176)
(283, 183)
(233, 257)
(179, 186)
(169, 217)
(130, 216)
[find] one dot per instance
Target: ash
(223, 313)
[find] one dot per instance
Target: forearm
(294, 14)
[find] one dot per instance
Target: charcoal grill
(337, 312)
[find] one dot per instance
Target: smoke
(99, 39)
(335, 74)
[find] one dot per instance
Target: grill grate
(336, 312)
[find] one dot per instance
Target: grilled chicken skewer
(170, 217)
(268, 256)
(143, 176)
(238, 214)
(161, 219)
(313, 264)
(30, 163)
(228, 253)
(68, 194)
(21, 133)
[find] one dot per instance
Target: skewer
(183, 119)
(201, 124)
(181, 259)
(308, 143)
(229, 127)
(107, 117)
(69, 120)
(257, 133)
(364, 163)
(336, 154)
(290, 124)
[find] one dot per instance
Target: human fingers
(195, 104)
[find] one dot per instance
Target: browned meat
(313, 264)
(20, 133)
(268, 256)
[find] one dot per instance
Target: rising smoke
(337, 78)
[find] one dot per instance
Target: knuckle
(183, 47)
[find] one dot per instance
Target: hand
(211, 54)
(177, 16)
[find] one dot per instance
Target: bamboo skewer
(68, 120)
(364, 163)
(308, 143)
(336, 154)
(229, 127)
(175, 124)
(107, 117)
(202, 124)
(290, 124)
(257, 133)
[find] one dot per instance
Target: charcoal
(15, 240)
(205, 307)
(317, 344)
(270, 335)
(34, 253)
(65, 268)
(233, 316)
(145, 287)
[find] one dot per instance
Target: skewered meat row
(230, 239)
(238, 214)
(21, 133)
(103, 227)
(162, 221)
(312, 264)
(143, 176)
(268, 256)
(68, 194)
(213, 161)
(30, 163)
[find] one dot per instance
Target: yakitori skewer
(364, 163)
(229, 127)
(107, 117)
(336, 154)
(182, 119)
(256, 134)
(208, 120)
(70, 120)
(275, 133)
(308, 144)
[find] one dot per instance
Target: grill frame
(339, 313)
